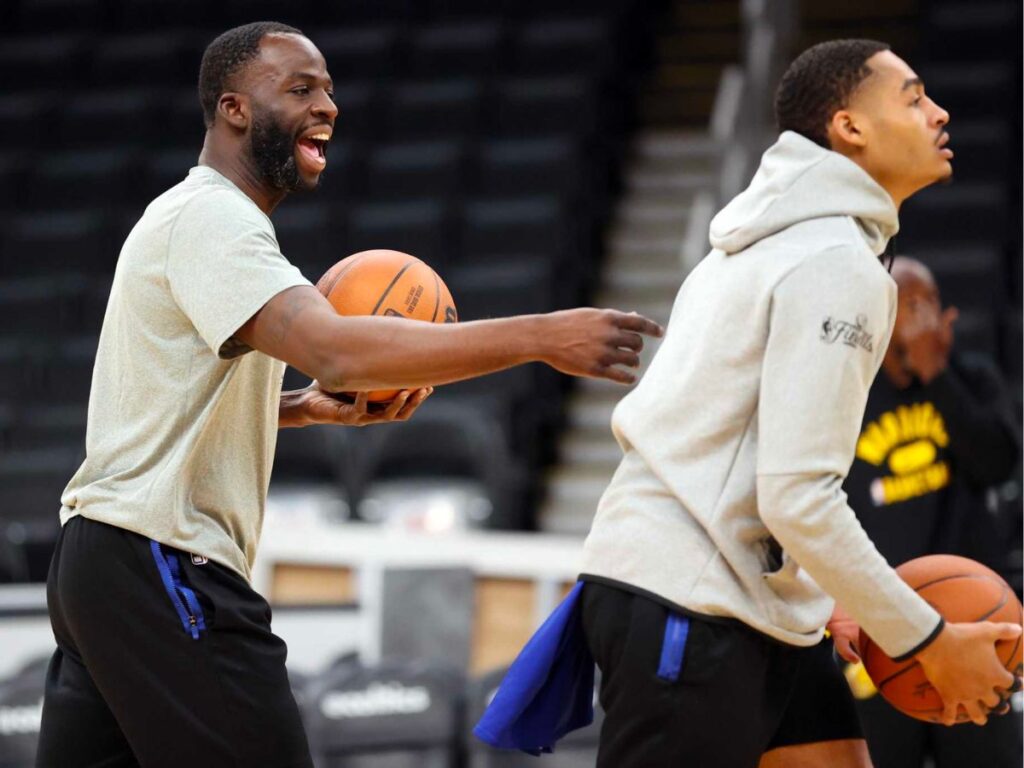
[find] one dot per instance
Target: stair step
(584, 449)
(566, 519)
(642, 275)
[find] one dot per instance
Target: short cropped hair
(820, 82)
(227, 55)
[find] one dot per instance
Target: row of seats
(395, 714)
(315, 236)
(140, 16)
(376, 52)
(438, 169)
(148, 118)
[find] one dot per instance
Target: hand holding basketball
(595, 342)
(322, 407)
(963, 666)
(968, 670)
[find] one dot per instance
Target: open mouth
(312, 150)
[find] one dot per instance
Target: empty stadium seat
(553, 165)
(179, 121)
(545, 105)
(428, 169)
(308, 234)
(57, 242)
(974, 92)
(17, 376)
(60, 178)
(456, 48)
(418, 227)
(432, 108)
(165, 169)
(22, 118)
(142, 60)
(55, 426)
(343, 180)
(510, 226)
(972, 212)
(358, 110)
(68, 377)
(43, 62)
(446, 440)
(35, 308)
(394, 715)
(114, 118)
(359, 52)
(565, 46)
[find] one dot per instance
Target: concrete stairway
(643, 272)
(673, 165)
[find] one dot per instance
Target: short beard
(273, 153)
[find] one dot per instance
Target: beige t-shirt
(183, 418)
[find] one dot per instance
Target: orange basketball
(961, 590)
(383, 282)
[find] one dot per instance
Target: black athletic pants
(897, 741)
(683, 691)
(160, 661)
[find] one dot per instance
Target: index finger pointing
(639, 323)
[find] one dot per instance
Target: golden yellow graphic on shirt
(907, 440)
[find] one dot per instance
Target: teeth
(321, 137)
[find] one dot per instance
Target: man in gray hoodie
(724, 539)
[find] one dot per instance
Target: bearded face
(272, 148)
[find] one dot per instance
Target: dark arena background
(539, 155)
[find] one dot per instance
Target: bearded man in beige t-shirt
(164, 652)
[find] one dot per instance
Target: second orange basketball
(384, 282)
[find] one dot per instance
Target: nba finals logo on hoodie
(908, 441)
(853, 334)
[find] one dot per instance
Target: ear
(845, 129)
(233, 109)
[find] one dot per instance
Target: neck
(236, 166)
(894, 189)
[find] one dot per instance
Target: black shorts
(679, 690)
(160, 661)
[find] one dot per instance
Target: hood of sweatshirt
(798, 181)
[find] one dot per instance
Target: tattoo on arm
(295, 302)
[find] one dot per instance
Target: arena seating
(484, 138)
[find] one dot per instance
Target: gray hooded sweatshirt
(728, 501)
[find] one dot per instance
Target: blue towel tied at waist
(549, 689)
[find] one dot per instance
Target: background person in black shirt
(938, 431)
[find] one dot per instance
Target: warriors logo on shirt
(907, 441)
(853, 334)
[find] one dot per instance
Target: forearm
(809, 517)
(392, 353)
(291, 411)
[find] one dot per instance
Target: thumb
(1004, 631)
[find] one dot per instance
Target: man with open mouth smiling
(165, 655)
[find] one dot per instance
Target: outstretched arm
(301, 328)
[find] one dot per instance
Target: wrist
(293, 411)
(537, 337)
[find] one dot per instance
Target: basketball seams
(326, 290)
(437, 296)
(392, 284)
